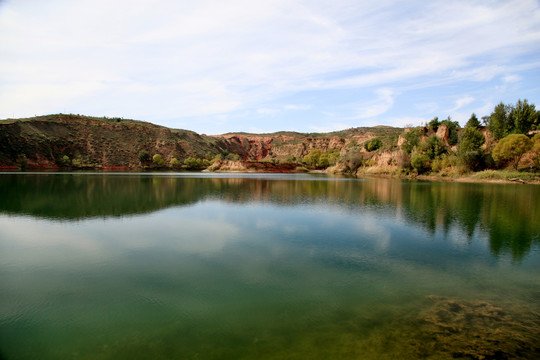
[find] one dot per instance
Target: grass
(506, 175)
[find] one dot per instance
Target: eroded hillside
(63, 141)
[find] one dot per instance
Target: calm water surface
(229, 266)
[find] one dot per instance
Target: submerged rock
(477, 330)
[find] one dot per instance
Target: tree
(523, 116)
(323, 161)
(144, 156)
(196, 163)
(434, 124)
(500, 124)
(312, 158)
(432, 147)
(158, 161)
(469, 147)
(473, 122)
(420, 162)
(412, 139)
(512, 148)
(373, 145)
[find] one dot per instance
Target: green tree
(512, 148)
(434, 124)
(144, 156)
(412, 139)
(312, 158)
(373, 145)
(469, 149)
(432, 147)
(158, 161)
(323, 161)
(523, 116)
(196, 164)
(473, 122)
(420, 162)
(500, 123)
(333, 157)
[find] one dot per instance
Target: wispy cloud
(171, 60)
(382, 104)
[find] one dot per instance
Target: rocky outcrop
(443, 133)
(63, 141)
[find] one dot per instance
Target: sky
(217, 66)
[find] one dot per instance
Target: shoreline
(495, 176)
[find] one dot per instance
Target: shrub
(412, 139)
(373, 145)
(434, 124)
(420, 162)
(64, 161)
(175, 163)
(144, 156)
(158, 161)
(432, 147)
(512, 148)
(196, 164)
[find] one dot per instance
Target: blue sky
(263, 66)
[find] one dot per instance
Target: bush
(373, 145)
(412, 139)
(64, 161)
(175, 163)
(434, 124)
(512, 148)
(196, 164)
(432, 147)
(158, 161)
(420, 162)
(144, 156)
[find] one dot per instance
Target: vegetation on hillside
(504, 139)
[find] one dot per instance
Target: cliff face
(56, 141)
(96, 143)
(287, 147)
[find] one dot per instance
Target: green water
(244, 266)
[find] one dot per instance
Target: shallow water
(232, 266)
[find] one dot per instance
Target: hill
(75, 141)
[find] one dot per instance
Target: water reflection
(164, 266)
(507, 213)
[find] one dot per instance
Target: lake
(266, 266)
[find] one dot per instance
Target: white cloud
(461, 102)
(511, 78)
(382, 104)
(169, 60)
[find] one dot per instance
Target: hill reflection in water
(508, 214)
